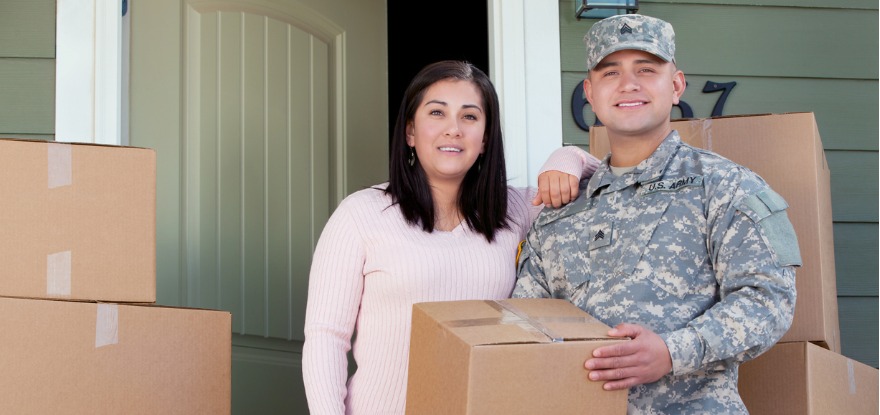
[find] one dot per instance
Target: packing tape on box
(707, 132)
(510, 314)
(59, 173)
(58, 274)
(851, 374)
(59, 165)
(513, 315)
(107, 325)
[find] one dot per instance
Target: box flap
(486, 322)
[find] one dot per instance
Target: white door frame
(524, 62)
(91, 71)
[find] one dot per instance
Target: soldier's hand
(644, 359)
(556, 189)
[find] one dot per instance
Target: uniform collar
(649, 170)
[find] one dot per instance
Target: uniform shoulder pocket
(768, 210)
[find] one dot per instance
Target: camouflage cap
(629, 31)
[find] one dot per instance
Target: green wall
(785, 56)
(27, 69)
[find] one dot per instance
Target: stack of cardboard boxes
(80, 330)
(805, 372)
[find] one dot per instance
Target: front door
(264, 114)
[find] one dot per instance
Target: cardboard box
(786, 150)
(69, 357)
(801, 378)
(78, 221)
(517, 356)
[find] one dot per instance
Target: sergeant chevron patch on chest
(600, 235)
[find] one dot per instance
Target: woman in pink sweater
(445, 227)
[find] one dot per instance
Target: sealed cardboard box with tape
(800, 378)
(78, 221)
(786, 150)
(76, 357)
(516, 356)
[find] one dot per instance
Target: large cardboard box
(517, 356)
(786, 150)
(69, 357)
(77, 221)
(801, 378)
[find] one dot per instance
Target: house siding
(27, 69)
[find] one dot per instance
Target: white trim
(524, 63)
(91, 71)
(125, 76)
(74, 71)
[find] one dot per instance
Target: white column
(91, 72)
(524, 63)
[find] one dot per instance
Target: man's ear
(678, 86)
(588, 90)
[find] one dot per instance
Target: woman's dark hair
(482, 199)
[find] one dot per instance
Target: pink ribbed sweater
(370, 267)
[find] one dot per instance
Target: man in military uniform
(686, 253)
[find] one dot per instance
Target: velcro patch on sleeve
(768, 210)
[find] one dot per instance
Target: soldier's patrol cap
(629, 31)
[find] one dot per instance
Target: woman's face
(447, 130)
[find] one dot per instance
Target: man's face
(632, 92)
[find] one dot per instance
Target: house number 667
(578, 102)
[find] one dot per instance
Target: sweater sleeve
(336, 283)
(572, 160)
(567, 159)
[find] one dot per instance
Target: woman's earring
(479, 162)
(412, 157)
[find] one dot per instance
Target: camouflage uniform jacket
(688, 244)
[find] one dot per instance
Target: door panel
(264, 115)
(256, 166)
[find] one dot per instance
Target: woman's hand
(556, 189)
